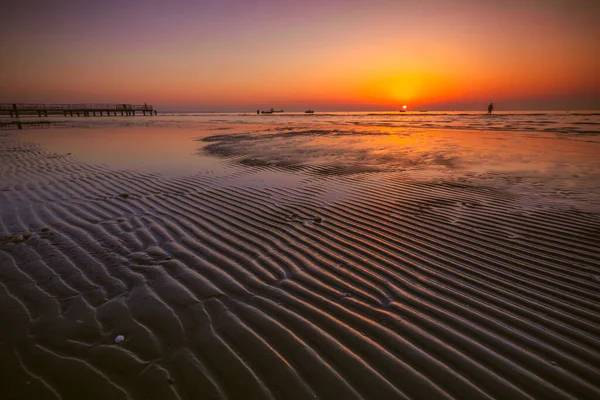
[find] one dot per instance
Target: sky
(335, 55)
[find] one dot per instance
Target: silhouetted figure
(258, 111)
(490, 108)
(155, 112)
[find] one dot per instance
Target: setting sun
(404, 107)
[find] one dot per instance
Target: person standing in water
(490, 108)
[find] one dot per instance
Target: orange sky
(335, 55)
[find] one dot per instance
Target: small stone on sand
(17, 238)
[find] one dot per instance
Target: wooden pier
(85, 110)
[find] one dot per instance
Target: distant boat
(401, 110)
(309, 111)
(271, 111)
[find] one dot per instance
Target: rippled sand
(300, 263)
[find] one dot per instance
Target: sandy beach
(244, 259)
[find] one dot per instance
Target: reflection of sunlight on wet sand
(391, 148)
(507, 160)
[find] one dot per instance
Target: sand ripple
(395, 289)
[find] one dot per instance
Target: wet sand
(391, 270)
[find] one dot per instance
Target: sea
(568, 122)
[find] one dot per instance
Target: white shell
(119, 339)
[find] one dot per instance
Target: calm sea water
(562, 122)
(579, 122)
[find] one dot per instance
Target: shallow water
(166, 151)
(543, 164)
